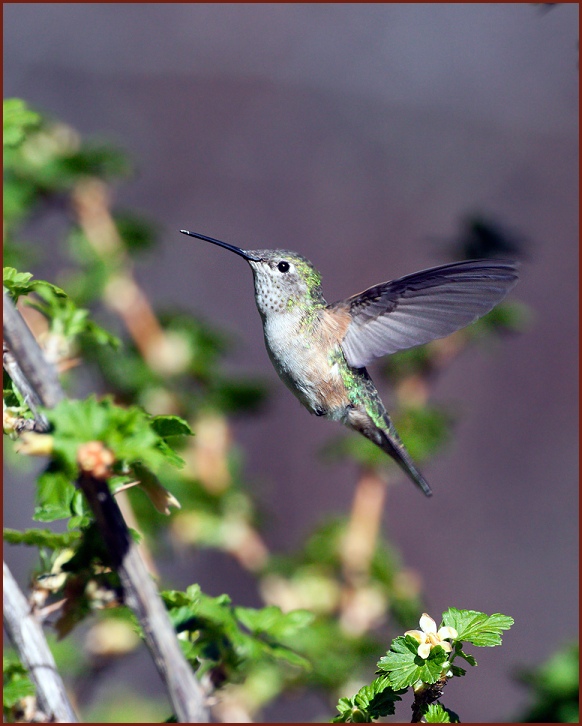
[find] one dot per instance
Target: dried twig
(28, 638)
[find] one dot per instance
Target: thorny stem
(430, 693)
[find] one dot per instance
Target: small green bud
(359, 716)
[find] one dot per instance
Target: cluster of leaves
(134, 437)
(402, 668)
(66, 321)
(227, 640)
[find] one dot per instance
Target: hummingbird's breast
(304, 347)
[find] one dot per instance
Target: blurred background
(370, 139)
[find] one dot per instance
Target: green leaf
(437, 713)
(66, 319)
(459, 652)
(272, 621)
(405, 667)
(476, 627)
(18, 118)
(458, 671)
(41, 538)
(218, 631)
(370, 702)
(166, 426)
(94, 158)
(16, 683)
(54, 495)
(126, 431)
(378, 698)
(345, 707)
(21, 283)
(17, 283)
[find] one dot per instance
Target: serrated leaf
(16, 282)
(344, 706)
(352, 714)
(459, 651)
(458, 671)
(437, 713)
(378, 698)
(404, 666)
(126, 431)
(373, 701)
(477, 627)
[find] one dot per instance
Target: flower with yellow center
(428, 637)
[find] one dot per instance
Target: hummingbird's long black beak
(232, 248)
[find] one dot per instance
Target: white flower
(428, 637)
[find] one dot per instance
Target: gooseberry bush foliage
(148, 409)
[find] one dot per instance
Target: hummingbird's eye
(283, 266)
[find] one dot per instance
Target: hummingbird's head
(283, 279)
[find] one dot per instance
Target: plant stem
(39, 379)
(28, 638)
(424, 697)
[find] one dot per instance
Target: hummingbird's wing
(421, 307)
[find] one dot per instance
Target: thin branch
(28, 393)
(185, 692)
(430, 693)
(38, 378)
(141, 595)
(28, 638)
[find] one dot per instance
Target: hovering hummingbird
(321, 350)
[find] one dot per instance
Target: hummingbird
(321, 350)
